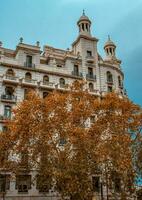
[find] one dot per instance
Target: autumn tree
(70, 136)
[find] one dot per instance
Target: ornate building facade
(44, 70)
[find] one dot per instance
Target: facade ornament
(21, 40)
(37, 43)
(0, 43)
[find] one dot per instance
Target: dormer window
(29, 61)
(89, 53)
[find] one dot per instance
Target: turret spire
(83, 12)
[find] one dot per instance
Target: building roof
(109, 43)
(84, 18)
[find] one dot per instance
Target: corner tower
(110, 50)
(85, 47)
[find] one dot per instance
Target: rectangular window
(117, 184)
(109, 88)
(4, 128)
(90, 71)
(23, 183)
(43, 184)
(96, 183)
(76, 70)
(29, 59)
(4, 182)
(89, 53)
(26, 92)
(92, 119)
(7, 112)
(45, 94)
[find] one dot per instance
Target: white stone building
(45, 70)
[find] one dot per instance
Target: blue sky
(53, 22)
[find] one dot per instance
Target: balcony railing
(121, 86)
(110, 81)
(30, 65)
(14, 78)
(93, 90)
(8, 97)
(62, 86)
(46, 83)
(4, 117)
(90, 59)
(91, 76)
(78, 74)
(29, 81)
(10, 79)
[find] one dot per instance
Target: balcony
(110, 82)
(29, 82)
(121, 86)
(46, 85)
(94, 92)
(29, 65)
(64, 87)
(8, 98)
(91, 77)
(4, 118)
(77, 74)
(90, 59)
(10, 79)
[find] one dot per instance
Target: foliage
(56, 137)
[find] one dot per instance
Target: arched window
(28, 76)
(10, 73)
(62, 82)
(45, 94)
(109, 77)
(45, 80)
(109, 88)
(91, 87)
(119, 81)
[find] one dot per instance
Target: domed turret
(110, 48)
(84, 25)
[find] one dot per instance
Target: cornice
(40, 71)
(84, 37)
(111, 66)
